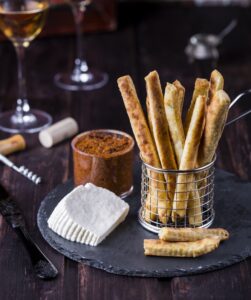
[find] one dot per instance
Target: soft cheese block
(88, 214)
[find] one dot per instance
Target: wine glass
(83, 77)
(21, 21)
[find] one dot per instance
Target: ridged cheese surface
(88, 214)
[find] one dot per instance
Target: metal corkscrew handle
(21, 170)
(29, 174)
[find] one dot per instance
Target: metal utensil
(43, 267)
(203, 46)
(236, 100)
(22, 170)
(227, 30)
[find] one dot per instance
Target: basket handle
(234, 102)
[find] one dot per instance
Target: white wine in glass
(83, 77)
(21, 21)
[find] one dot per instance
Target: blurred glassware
(204, 47)
(83, 77)
(21, 21)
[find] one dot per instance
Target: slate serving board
(122, 252)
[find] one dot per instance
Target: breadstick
(138, 121)
(150, 212)
(216, 84)
(178, 139)
(194, 209)
(181, 249)
(189, 157)
(159, 125)
(201, 88)
(172, 109)
(146, 146)
(149, 117)
(181, 96)
(159, 122)
(191, 234)
(215, 121)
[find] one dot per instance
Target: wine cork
(13, 144)
(58, 132)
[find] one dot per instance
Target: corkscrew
(11, 145)
(22, 170)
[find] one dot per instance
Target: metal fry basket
(175, 198)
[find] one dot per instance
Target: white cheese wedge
(88, 214)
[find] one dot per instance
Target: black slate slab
(122, 252)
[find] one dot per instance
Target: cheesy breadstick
(146, 146)
(150, 212)
(194, 206)
(181, 95)
(191, 234)
(149, 118)
(159, 122)
(216, 84)
(194, 209)
(181, 249)
(189, 157)
(201, 88)
(178, 139)
(138, 121)
(172, 109)
(160, 131)
(215, 121)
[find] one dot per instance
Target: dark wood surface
(149, 37)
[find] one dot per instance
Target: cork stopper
(58, 132)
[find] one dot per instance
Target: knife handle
(13, 144)
(43, 267)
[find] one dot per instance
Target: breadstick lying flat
(145, 143)
(191, 234)
(189, 157)
(216, 117)
(181, 91)
(172, 109)
(216, 84)
(181, 249)
(201, 88)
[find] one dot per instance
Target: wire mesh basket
(175, 198)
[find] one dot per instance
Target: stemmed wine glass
(83, 77)
(21, 21)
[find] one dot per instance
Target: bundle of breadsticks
(166, 142)
(185, 242)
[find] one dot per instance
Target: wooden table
(149, 37)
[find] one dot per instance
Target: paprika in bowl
(104, 157)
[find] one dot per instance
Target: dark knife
(43, 267)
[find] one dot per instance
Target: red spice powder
(103, 144)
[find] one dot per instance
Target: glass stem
(80, 62)
(22, 102)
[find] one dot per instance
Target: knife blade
(9, 209)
